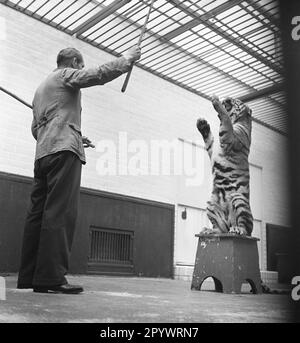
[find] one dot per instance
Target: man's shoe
(24, 285)
(65, 289)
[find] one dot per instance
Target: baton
(87, 141)
(15, 96)
(138, 44)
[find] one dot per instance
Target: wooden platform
(230, 260)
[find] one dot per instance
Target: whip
(138, 44)
(86, 142)
(15, 97)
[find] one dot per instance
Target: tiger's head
(241, 118)
(237, 109)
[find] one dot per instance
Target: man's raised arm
(87, 77)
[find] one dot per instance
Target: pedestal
(230, 260)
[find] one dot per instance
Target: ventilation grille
(111, 246)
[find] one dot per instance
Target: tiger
(229, 207)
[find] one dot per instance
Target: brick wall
(150, 109)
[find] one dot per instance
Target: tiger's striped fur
(229, 208)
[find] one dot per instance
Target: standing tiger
(229, 209)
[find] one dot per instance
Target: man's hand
(133, 54)
(87, 143)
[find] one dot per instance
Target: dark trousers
(51, 220)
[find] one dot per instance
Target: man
(56, 126)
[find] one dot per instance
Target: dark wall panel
(151, 223)
(279, 242)
(14, 199)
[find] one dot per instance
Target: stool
(230, 260)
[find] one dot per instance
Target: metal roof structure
(223, 47)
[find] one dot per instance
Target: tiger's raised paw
(203, 127)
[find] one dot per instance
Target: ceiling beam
(187, 53)
(154, 35)
(227, 36)
(104, 13)
(265, 14)
(262, 93)
(206, 16)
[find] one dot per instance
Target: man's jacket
(56, 124)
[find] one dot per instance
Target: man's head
(70, 58)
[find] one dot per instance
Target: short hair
(65, 56)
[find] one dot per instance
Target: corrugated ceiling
(229, 48)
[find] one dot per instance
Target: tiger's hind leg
(217, 214)
(241, 219)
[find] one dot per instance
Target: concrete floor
(140, 300)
